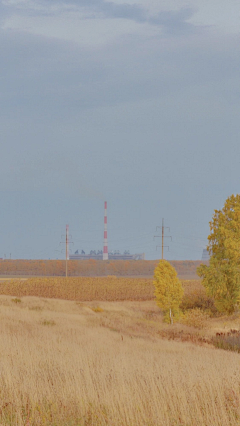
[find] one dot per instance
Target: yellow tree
(222, 277)
(168, 289)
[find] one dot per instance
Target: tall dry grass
(60, 366)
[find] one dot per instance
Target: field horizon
(93, 268)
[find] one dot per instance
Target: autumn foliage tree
(168, 289)
(222, 277)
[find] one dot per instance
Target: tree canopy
(222, 277)
(168, 289)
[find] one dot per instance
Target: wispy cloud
(175, 22)
(172, 22)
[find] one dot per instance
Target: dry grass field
(105, 363)
(81, 288)
(109, 288)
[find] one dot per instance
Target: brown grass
(62, 363)
(195, 297)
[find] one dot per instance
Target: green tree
(222, 277)
(168, 289)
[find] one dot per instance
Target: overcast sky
(136, 103)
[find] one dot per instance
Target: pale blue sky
(135, 103)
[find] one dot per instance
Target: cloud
(4, 12)
(175, 22)
(171, 22)
(52, 78)
(124, 11)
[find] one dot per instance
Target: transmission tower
(163, 236)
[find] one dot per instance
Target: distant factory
(98, 255)
(104, 254)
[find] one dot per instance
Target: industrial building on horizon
(103, 254)
(98, 255)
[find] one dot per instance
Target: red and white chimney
(105, 241)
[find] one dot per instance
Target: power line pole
(163, 236)
(66, 242)
(67, 254)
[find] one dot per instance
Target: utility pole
(163, 236)
(67, 255)
(67, 242)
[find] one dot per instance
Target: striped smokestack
(105, 243)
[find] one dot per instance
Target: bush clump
(229, 341)
(195, 296)
(195, 318)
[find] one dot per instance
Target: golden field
(71, 363)
(109, 288)
(81, 288)
(106, 358)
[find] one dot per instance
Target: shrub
(195, 318)
(97, 309)
(195, 296)
(48, 322)
(229, 341)
(16, 300)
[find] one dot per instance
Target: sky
(135, 103)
